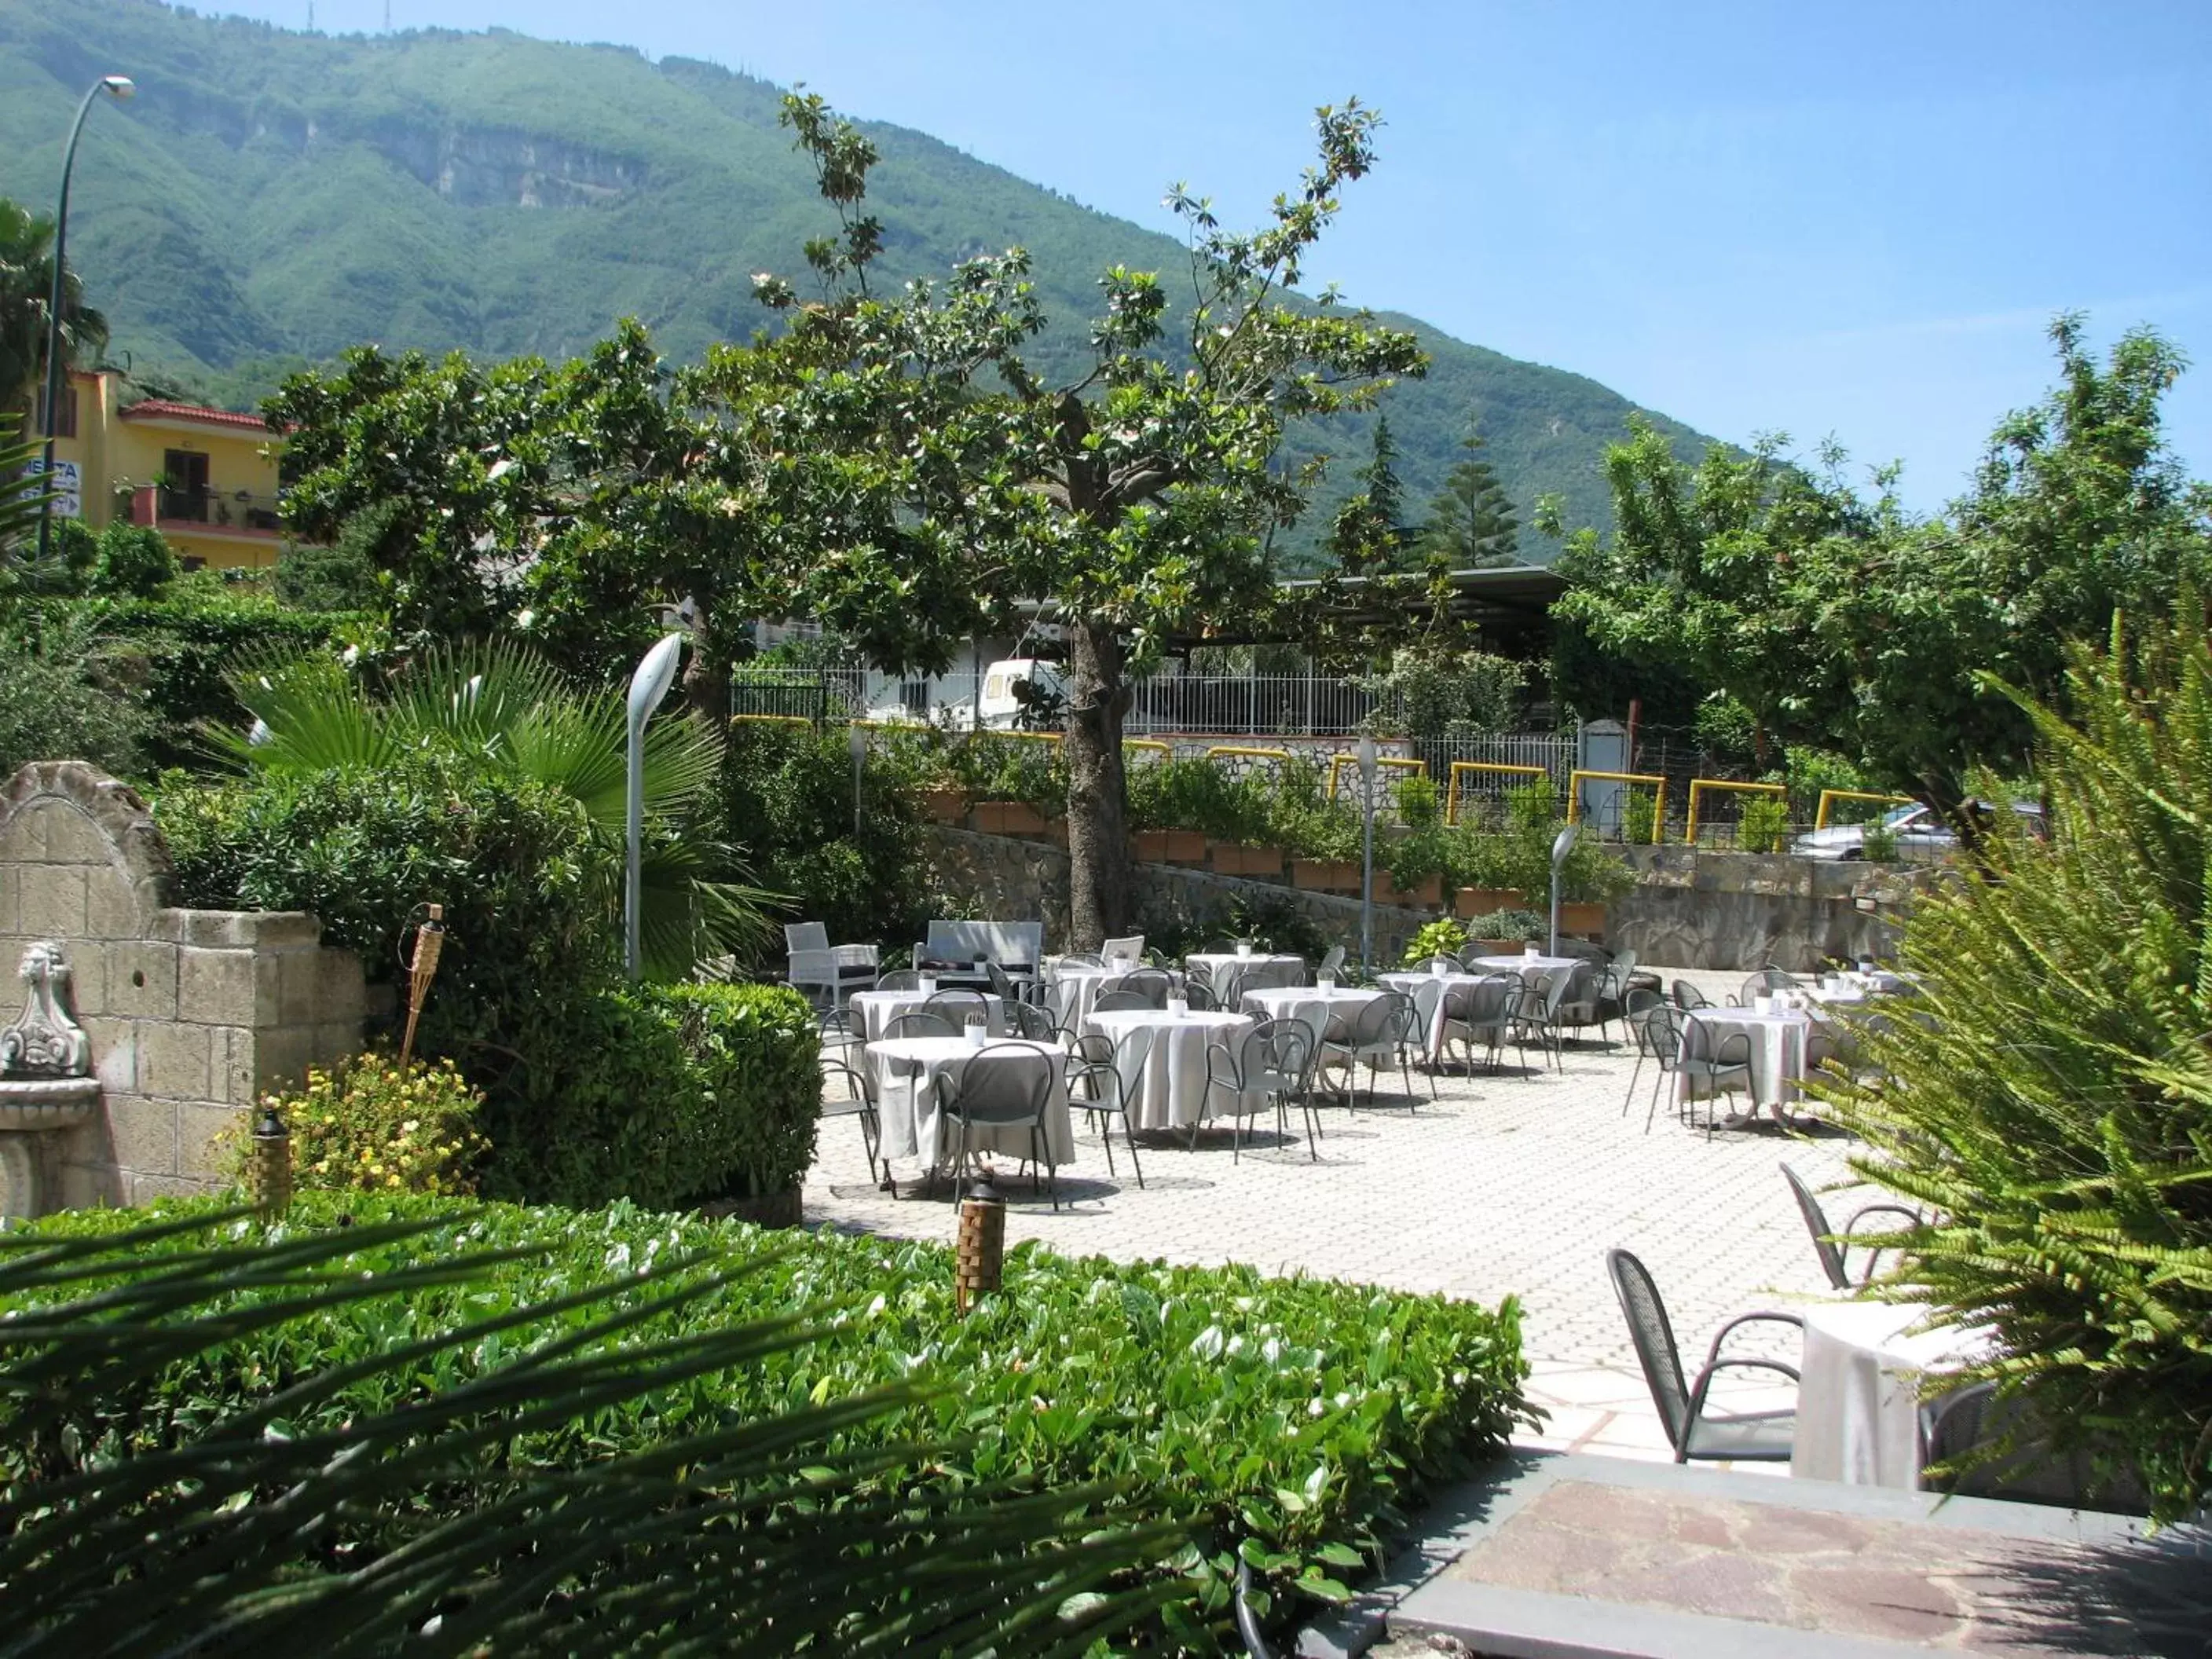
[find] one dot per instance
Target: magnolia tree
(1135, 501)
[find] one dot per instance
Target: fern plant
(2049, 1095)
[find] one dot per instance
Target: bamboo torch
(430, 940)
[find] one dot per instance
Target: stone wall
(190, 1013)
(1022, 880)
(1692, 909)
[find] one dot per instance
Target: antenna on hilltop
(387, 17)
(311, 16)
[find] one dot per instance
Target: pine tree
(1472, 521)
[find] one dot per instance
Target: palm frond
(437, 1520)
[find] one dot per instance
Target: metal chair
(1267, 1061)
(1705, 1062)
(1688, 996)
(1581, 1004)
(1104, 1095)
(1034, 1022)
(838, 1029)
(920, 1023)
(1744, 1436)
(1009, 1084)
(1411, 1040)
(900, 978)
(1832, 1244)
(1001, 986)
(1117, 1001)
(860, 1103)
(1331, 961)
(1638, 1009)
(1538, 1014)
(1372, 1035)
(1081, 959)
(1485, 1009)
(1153, 984)
(1982, 1446)
(960, 1008)
(1765, 981)
(1198, 996)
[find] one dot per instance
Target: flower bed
(1302, 1415)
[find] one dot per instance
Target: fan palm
(27, 276)
(293, 1518)
(19, 506)
(498, 708)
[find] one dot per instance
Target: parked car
(1920, 833)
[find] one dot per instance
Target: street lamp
(656, 672)
(119, 87)
(1366, 753)
(1562, 844)
(856, 739)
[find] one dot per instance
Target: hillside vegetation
(270, 197)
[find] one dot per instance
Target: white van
(1001, 708)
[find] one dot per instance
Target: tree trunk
(1097, 795)
(707, 676)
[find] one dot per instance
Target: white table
(1777, 1049)
(1337, 1006)
(1071, 992)
(1226, 972)
(911, 1075)
(1531, 968)
(1160, 1058)
(1858, 1400)
(876, 1010)
(1427, 991)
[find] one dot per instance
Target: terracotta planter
(943, 805)
(1496, 947)
(1233, 858)
(1169, 847)
(1582, 920)
(1326, 875)
(1423, 896)
(1472, 901)
(1007, 818)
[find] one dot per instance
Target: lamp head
(1564, 843)
(655, 673)
(120, 85)
(856, 739)
(1365, 751)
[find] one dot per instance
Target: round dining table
(1530, 968)
(1860, 1390)
(1071, 990)
(913, 1076)
(1160, 1057)
(1330, 1012)
(1778, 1044)
(1225, 972)
(874, 1011)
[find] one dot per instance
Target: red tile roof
(161, 409)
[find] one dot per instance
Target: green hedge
(1300, 1419)
(665, 1094)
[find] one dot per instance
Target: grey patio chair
(1198, 995)
(1259, 1066)
(1153, 984)
(959, 1008)
(1118, 1001)
(1615, 983)
(1001, 986)
(1103, 1094)
(1008, 1085)
(1371, 1035)
(838, 1029)
(1982, 1446)
(1579, 1006)
(1538, 1013)
(1033, 1022)
(1640, 1007)
(860, 1102)
(1743, 1437)
(1331, 961)
(1712, 1065)
(1832, 1244)
(920, 1023)
(1688, 996)
(900, 978)
(1409, 1033)
(1765, 981)
(1485, 1010)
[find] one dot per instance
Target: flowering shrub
(373, 1126)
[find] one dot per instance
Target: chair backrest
(1580, 991)
(806, 936)
(1274, 976)
(1152, 984)
(1662, 1029)
(1655, 1342)
(1486, 1003)
(1114, 1002)
(960, 1008)
(1331, 961)
(1640, 1000)
(1082, 959)
(1008, 1083)
(1017, 944)
(1000, 985)
(1557, 983)
(900, 978)
(1033, 1022)
(921, 1022)
(1195, 972)
(1274, 1054)
(1816, 1223)
(1199, 994)
(1131, 948)
(1765, 981)
(1406, 1022)
(1703, 1045)
(1688, 996)
(1376, 1024)
(2028, 1469)
(1623, 964)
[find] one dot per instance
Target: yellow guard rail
(1699, 785)
(1658, 806)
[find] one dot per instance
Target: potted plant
(1414, 858)
(1505, 933)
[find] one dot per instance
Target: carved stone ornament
(46, 1041)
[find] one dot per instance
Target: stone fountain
(45, 1076)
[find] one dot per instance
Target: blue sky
(1849, 220)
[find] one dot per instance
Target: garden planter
(1233, 858)
(781, 1209)
(1008, 817)
(1473, 902)
(1326, 875)
(943, 805)
(1582, 920)
(1496, 947)
(1169, 847)
(1427, 895)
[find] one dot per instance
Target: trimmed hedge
(665, 1095)
(1298, 1419)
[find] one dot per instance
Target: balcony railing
(226, 511)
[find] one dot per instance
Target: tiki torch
(979, 1257)
(430, 940)
(271, 1166)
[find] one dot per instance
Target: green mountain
(270, 197)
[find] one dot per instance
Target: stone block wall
(190, 1013)
(1695, 908)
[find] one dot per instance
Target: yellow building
(207, 478)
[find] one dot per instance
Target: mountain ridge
(271, 197)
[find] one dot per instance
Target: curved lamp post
(1562, 844)
(656, 672)
(119, 87)
(1366, 756)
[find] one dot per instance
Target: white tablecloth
(1427, 991)
(910, 1075)
(1228, 971)
(1531, 968)
(1161, 1060)
(1072, 992)
(1858, 1403)
(877, 1009)
(1337, 1007)
(1778, 1048)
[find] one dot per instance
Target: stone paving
(1513, 1185)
